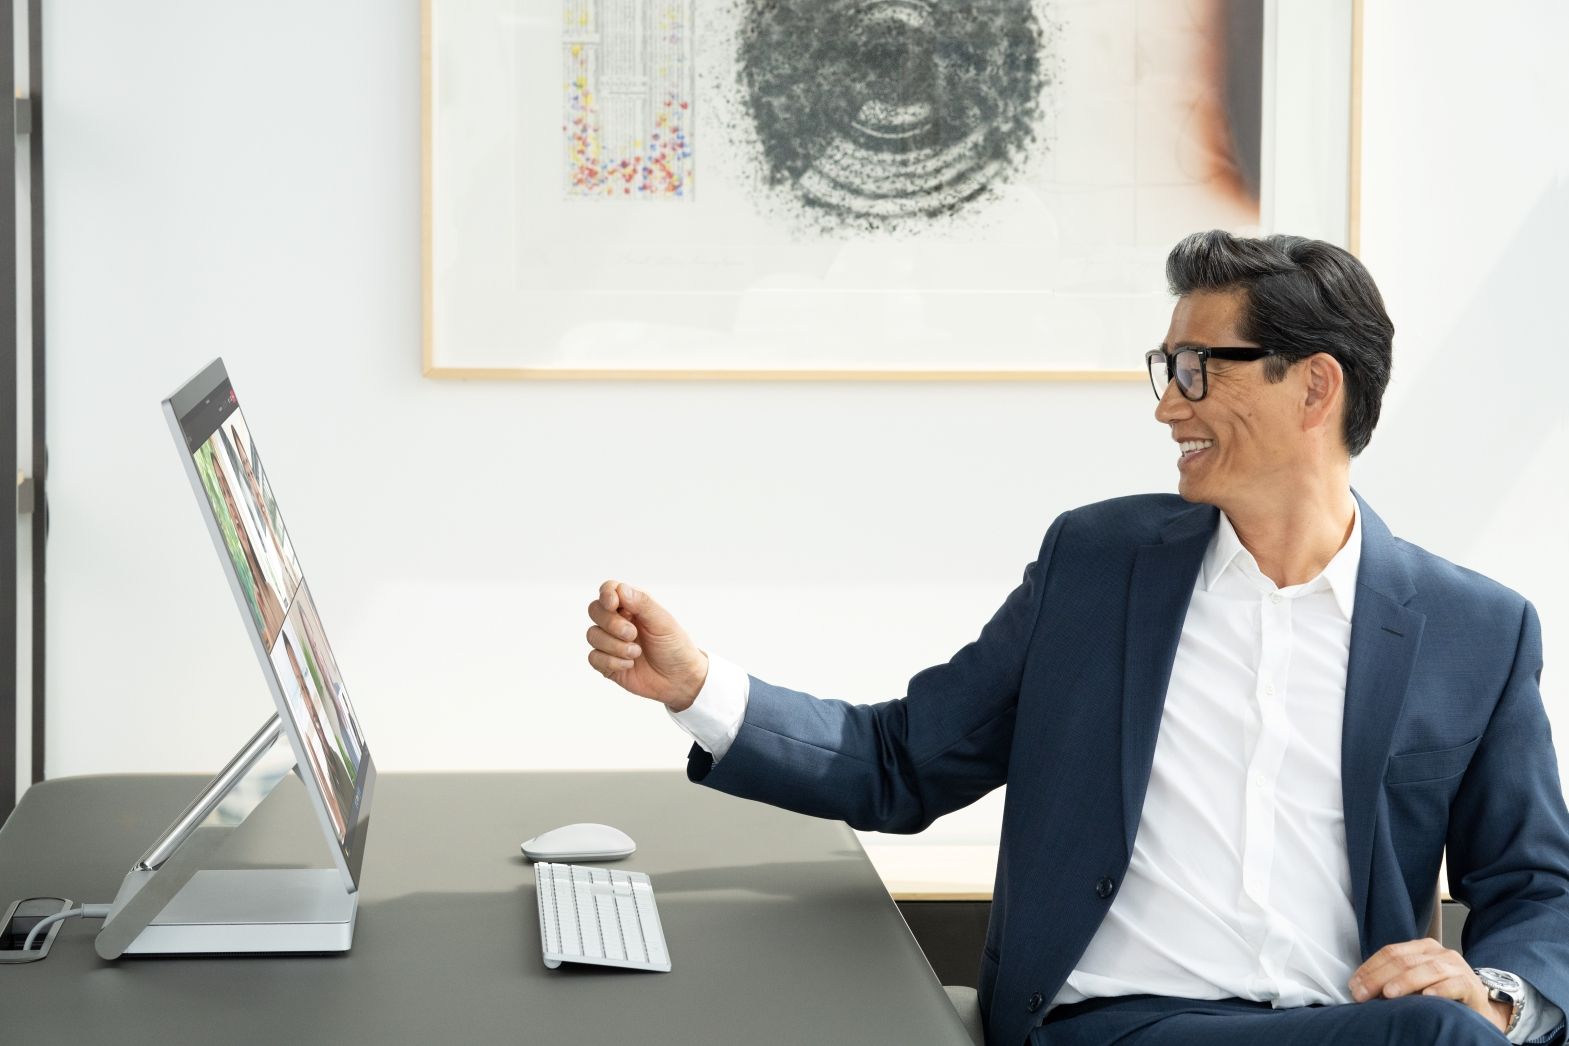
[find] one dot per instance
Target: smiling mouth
(1193, 446)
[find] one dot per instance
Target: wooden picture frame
(483, 319)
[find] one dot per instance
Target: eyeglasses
(1190, 367)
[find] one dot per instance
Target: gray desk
(779, 929)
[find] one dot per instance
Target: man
(1239, 727)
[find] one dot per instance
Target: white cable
(90, 911)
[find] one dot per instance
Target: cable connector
(86, 911)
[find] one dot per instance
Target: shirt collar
(1339, 575)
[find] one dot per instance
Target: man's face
(1245, 436)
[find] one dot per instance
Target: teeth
(1197, 444)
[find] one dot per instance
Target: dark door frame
(22, 119)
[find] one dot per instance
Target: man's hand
(638, 646)
(1425, 967)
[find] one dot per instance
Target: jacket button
(1104, 888)
(1034, 1003)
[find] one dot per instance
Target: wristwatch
(1503, 986)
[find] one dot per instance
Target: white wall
(243, 180)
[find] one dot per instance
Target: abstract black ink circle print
(882, 113)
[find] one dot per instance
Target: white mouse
(579, 842)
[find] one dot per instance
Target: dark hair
(1300, 297)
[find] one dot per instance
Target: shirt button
(1034, 1002)
(1262, 782)
(1269, 689)
(1104, 888)
(1275, 597)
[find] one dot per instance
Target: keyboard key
(643, 896)
(549, 923)
(631, 928)
(588, 921)
(610, 926)
(566, 912)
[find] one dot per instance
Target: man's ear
(1326, 384)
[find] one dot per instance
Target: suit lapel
(1158, 597)
(1385, 638)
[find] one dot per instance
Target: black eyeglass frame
(1205, 354)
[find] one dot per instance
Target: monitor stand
(235, 888)
(247, 911)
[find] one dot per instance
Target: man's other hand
(1425, 967)
(638, 646)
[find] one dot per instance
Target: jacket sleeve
(899, 765)
(1508, 840)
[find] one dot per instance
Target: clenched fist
(638, 646)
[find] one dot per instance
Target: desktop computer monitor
(242, 516)
(184, 896)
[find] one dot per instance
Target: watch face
(1502, 980)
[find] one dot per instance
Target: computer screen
(264, 572)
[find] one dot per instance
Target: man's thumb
(641, 606)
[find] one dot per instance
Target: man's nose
(1172, 405)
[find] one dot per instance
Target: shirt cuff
(714, 718)
(1539, 1019)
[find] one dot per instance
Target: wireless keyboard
(598, 915)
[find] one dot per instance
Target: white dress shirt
(1239, 884)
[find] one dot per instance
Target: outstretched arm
(891, 767)
(899, 765)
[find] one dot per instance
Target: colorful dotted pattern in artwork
(655, 165)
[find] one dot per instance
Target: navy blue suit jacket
(1445, 744)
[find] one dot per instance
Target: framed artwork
(857, 189)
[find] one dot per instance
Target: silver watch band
(1503, 986)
